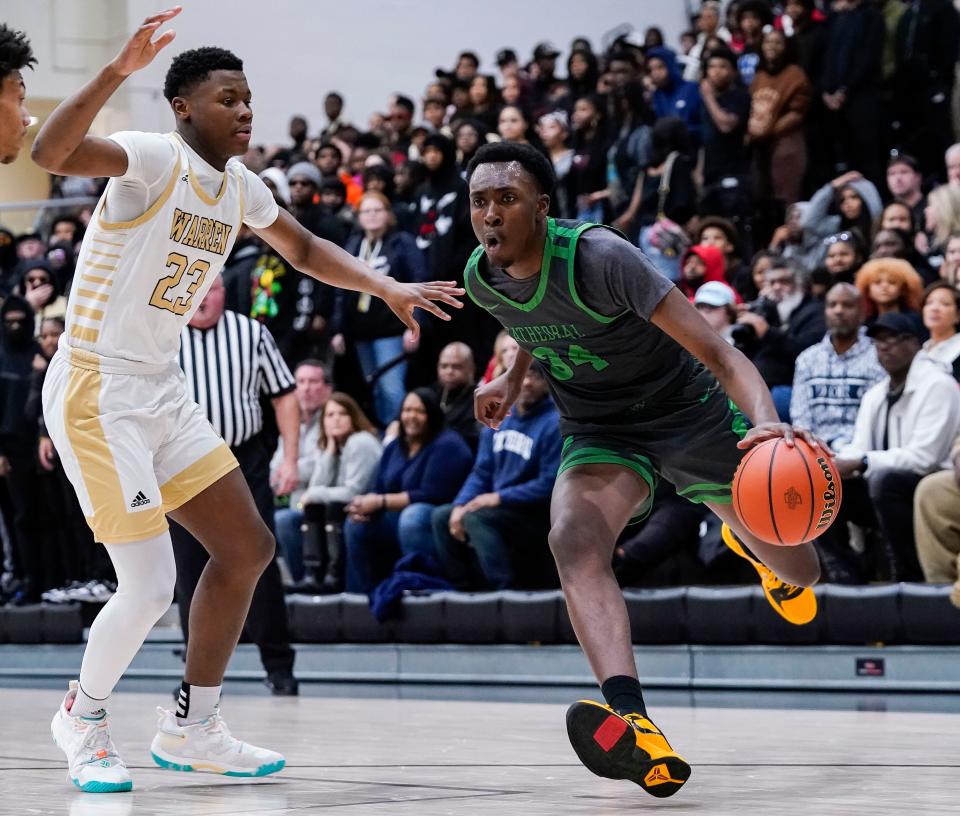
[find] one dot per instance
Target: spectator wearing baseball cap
(905, 427)
(716, 302)
(543, 70)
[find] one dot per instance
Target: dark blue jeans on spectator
(506, 548)
(781, 400)
(287, 521)
(389, 389)
(374, 546)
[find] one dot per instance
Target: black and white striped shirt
(228, 367)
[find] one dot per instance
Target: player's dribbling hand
(403, 298)
(781, 430)
(141, 48)
(492, 402)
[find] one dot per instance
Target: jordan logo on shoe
(139, 500)
(659, 774)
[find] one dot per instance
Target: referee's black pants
(266, 623)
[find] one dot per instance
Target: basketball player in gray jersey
(646, 389)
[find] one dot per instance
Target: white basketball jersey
(137, 283)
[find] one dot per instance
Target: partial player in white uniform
(134, 446)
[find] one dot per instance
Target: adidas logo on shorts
(139, 500)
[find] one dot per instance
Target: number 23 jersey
(158, 238)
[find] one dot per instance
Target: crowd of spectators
(791, 166)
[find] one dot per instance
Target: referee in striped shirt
(230, 362)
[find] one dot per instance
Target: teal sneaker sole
(104, 787)
(263, 770)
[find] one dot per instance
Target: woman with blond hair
(889, 285)
(345, 466)
(941, 219)
(367, 323)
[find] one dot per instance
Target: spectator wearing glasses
(367, 323)
(904, 430)
(941, 316)
(304, 180)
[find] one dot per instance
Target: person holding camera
(775, 328)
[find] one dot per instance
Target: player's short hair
(192, 67)
(15, 52)
(531, 159)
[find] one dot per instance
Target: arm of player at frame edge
(63, 145)
(325, 261)
(738, 377)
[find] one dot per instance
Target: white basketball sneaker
(93, 764)
(208, 747)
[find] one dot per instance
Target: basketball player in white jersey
(134, 446)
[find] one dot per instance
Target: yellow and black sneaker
(795, 604)
(625, 747)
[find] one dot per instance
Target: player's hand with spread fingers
(141, 48)
(403, 298)
(781, 430)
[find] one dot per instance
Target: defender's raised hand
(403, 298)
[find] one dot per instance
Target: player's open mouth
(491, 242)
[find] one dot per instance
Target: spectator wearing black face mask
(18, 441)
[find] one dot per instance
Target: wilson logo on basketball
(829, 495)
(793, 498)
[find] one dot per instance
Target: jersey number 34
(181, 266)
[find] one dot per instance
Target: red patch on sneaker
(101, 753)
(609, 732)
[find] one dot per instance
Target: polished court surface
(401, 755)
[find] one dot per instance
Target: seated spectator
(504, 352)
(905, 427)
(905, 183)
(304, 180)
(898, 216)
(787, 320)
(937, 525)
(941, 315)
(941, 218)
(895, 243)
(889, 285)
(949, 270)
(312, 391)
(347, 457)
(700, 264)
(66, 229)
(853, 199)
(456, 379)
(831, 377)
(723, 234)
(39, 287)
(494, 534)
(276, 181)
(365, 322)
(717, 302)
(780, 98)
(792, 242)
(422, 468)
(842, 261)
(750, 280)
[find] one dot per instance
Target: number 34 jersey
(158, 238)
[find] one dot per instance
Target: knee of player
(156, 596)
(575, 544)
(259, 549)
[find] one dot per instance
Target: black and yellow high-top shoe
(625, 747)
(793, 603)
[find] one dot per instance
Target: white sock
(146, 574)
(196, 703)
(86, 706)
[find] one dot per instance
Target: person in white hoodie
(905, 427)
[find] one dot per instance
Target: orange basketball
(786, 495)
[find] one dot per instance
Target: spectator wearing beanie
(304, 180)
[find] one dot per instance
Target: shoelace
(99, 744)
(214, 726)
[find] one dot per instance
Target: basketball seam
(803, 459)
(773, 515)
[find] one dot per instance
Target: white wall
(296, 50)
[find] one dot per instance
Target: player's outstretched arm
(739, 377)
(493, 401)
(63, 145)
(327, 262)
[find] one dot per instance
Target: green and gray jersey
(586, 319)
